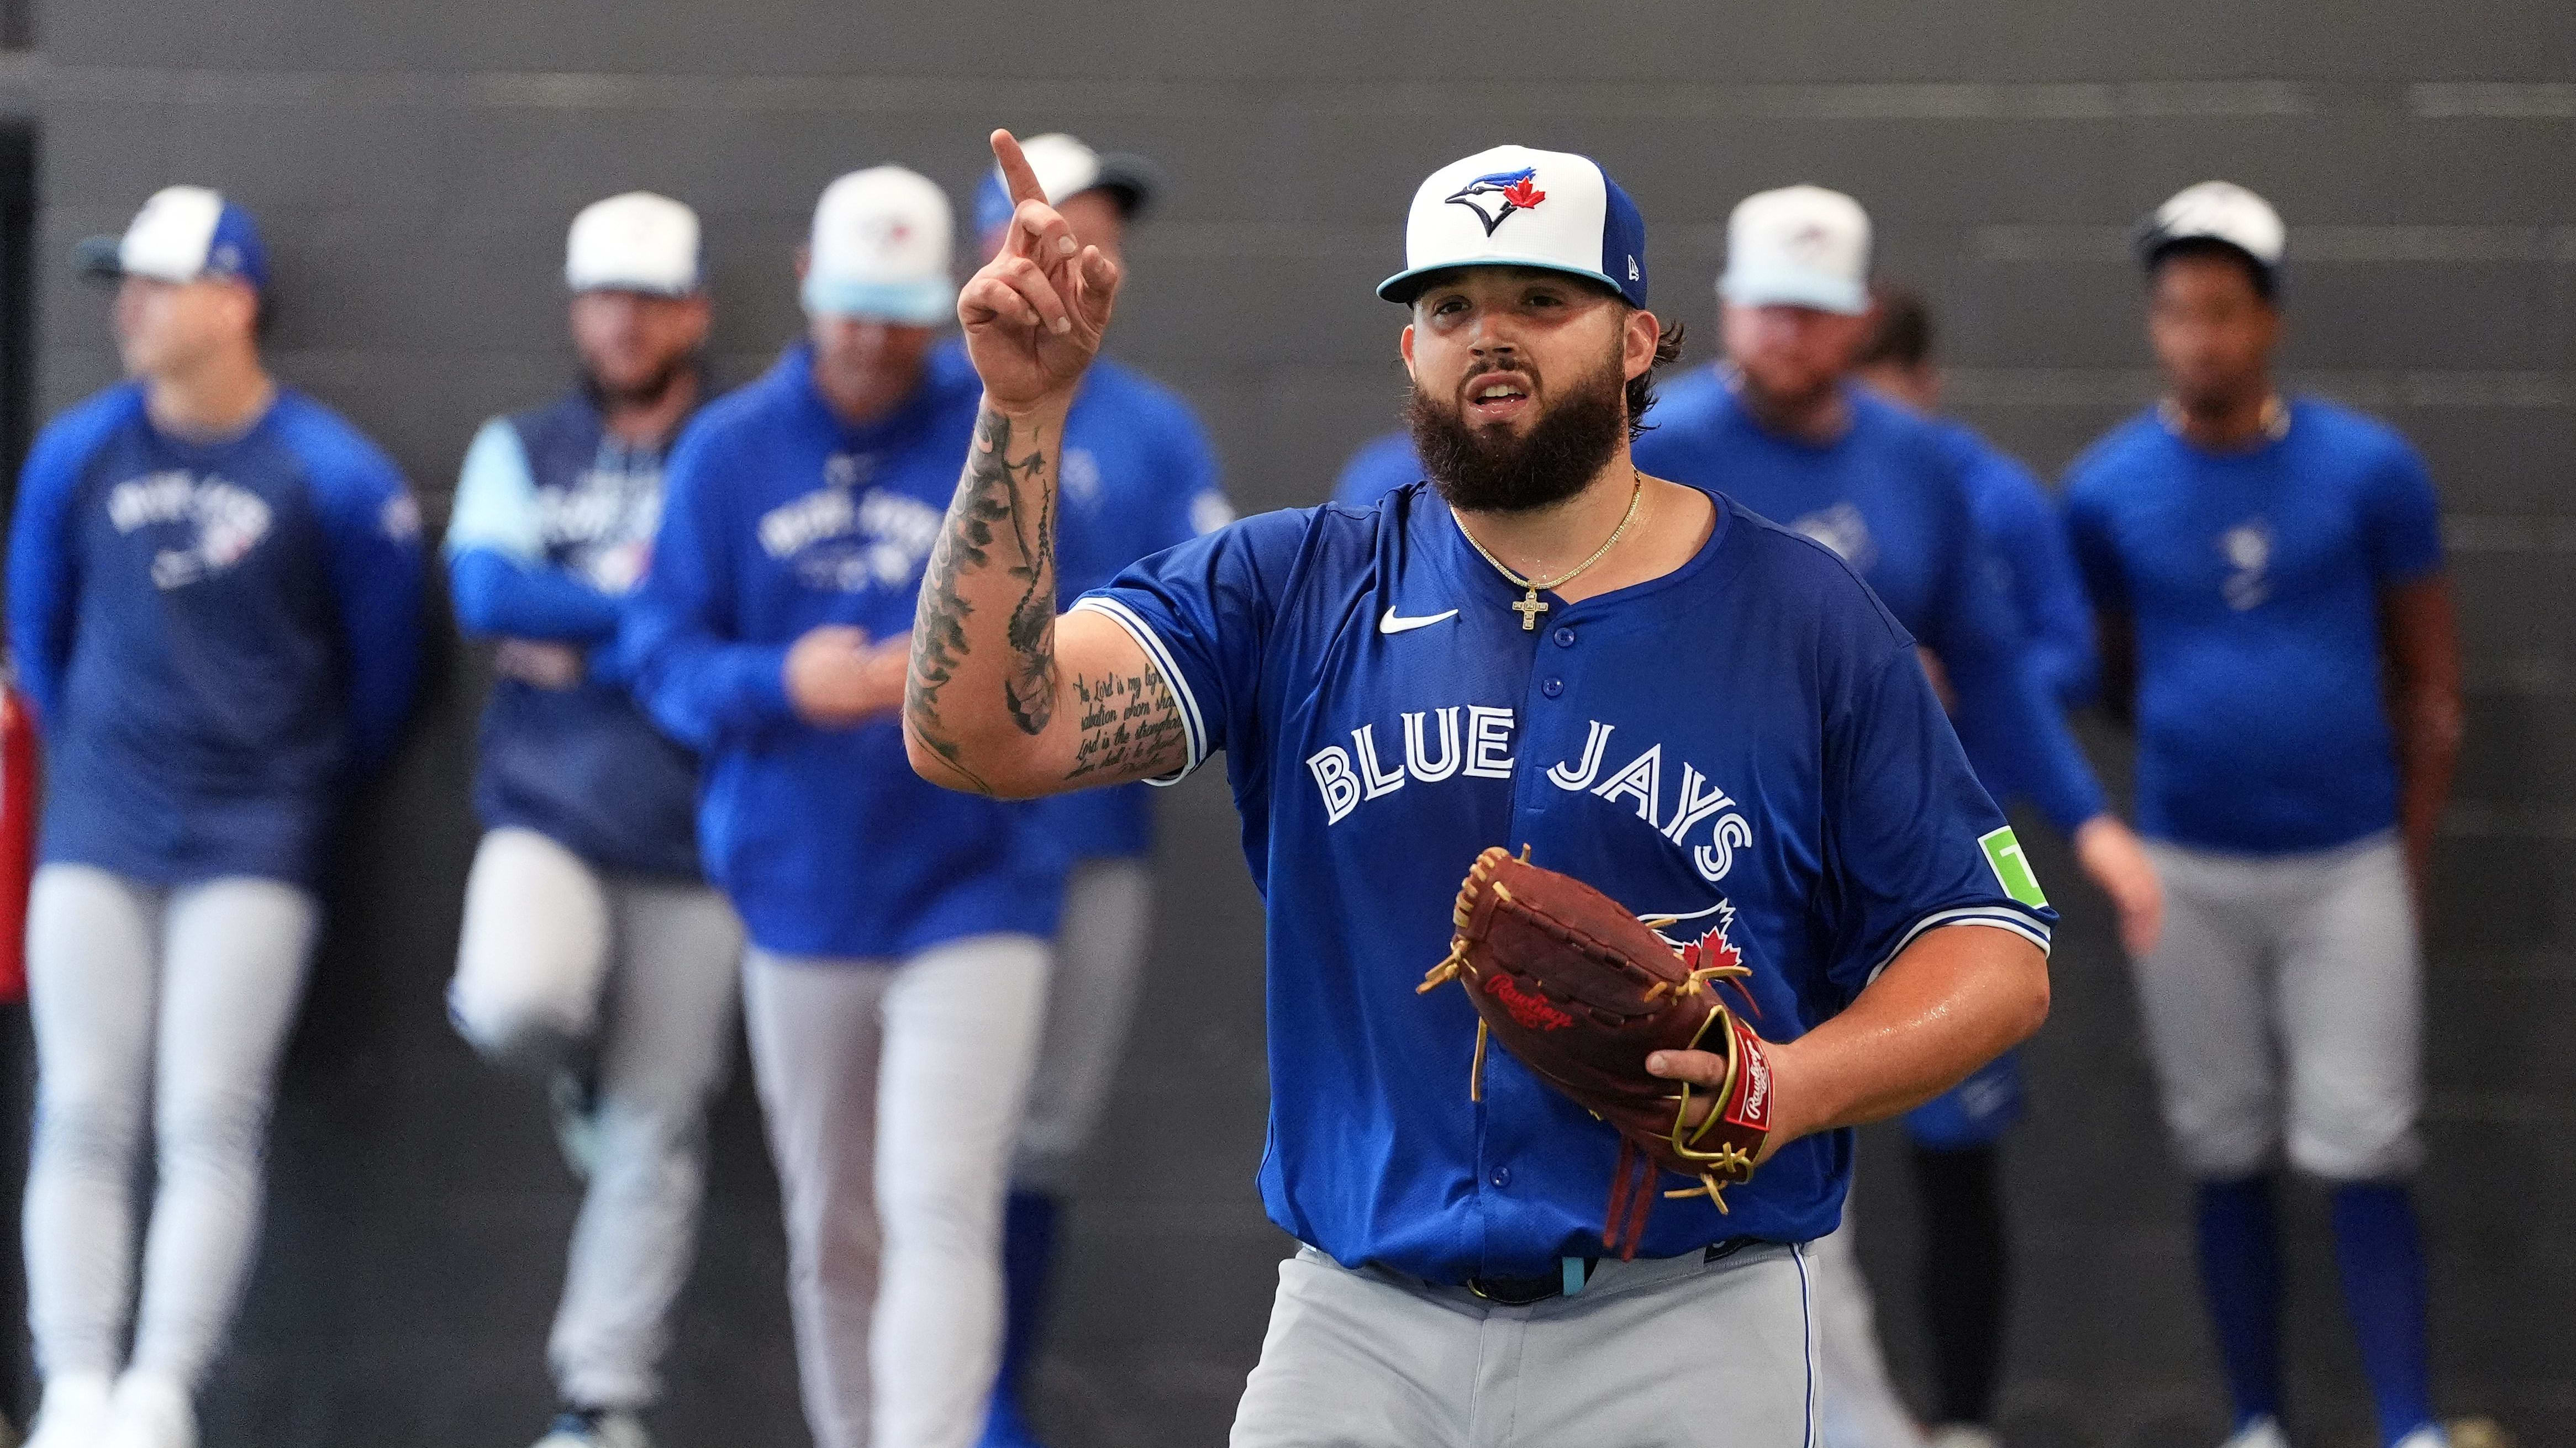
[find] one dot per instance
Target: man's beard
(646, 391)
(1488, 470)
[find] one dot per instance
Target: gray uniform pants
(178, 999)
(1677, 1353)
(1099, 954)
(557, 956)
(2285, 1000)
(893, 1092)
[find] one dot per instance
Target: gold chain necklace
(1531, 607)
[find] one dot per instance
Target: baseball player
(1138, 477)
(1779, 426)
(1958, 1184)
(593, 949)
(2025, 536)
(214, 603)
(895, 982)
(1781, 430)
(1705, 716)
(2275, 616)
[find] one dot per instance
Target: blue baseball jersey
(1887, 497)
(2034, 566)
(216, 635)
(551, 534)
(1746, 744)
(1382, 465)
(2253, 582)
(1137, 477)
(779, 518)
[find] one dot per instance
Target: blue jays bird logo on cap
(1516, 190)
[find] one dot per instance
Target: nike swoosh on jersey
(1395, 623)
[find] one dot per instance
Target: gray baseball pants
(558, 958)
(893, 1091)
(1675, 1353)
(2285, 1001)
(179, 1000)
(1099, 956)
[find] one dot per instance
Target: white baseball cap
(1799, 246)
(1066, 168)
(2220, 211)
(182, 234)
(881, 248)
(637, 242)
(1515, 206)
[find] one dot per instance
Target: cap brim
(1131, 180)
(1405, 285)
(912, 304)
(96, 257)
(641, 289)
(1785, 288)
(2154, 241)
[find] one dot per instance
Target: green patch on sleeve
(2012, 867)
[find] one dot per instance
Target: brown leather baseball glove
(1582, 991)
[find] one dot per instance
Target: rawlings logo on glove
(1582, 992)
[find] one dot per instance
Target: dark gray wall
(415, 165)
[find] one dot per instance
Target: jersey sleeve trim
(1193, 727)
(1995, 917)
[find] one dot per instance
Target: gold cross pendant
(1529, 609)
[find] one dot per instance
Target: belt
(1572, 1274)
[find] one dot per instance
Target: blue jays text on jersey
(552, 531)
(215, 634)
(1137, 476)
(1888, 498)
(2253, 582)
(1746, 744)
(778, 518)
(2034, 571)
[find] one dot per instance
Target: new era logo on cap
(1515, 206)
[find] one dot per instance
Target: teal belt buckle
(1574, 1274)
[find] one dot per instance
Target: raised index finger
(1017, 178)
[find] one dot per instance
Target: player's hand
(545, 664)
(1708, 1069)
(1035, 313)
(2111, 854)
(836, 680)
(887, 662)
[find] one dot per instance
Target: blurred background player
(593, 948)
(1967, 1280)
(214, 603)
(2276, 619)
(2024, 532)
(1138, 477)
(895, 983)
(1779, 426)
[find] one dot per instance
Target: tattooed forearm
(1000, 496)
(1131, 727)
